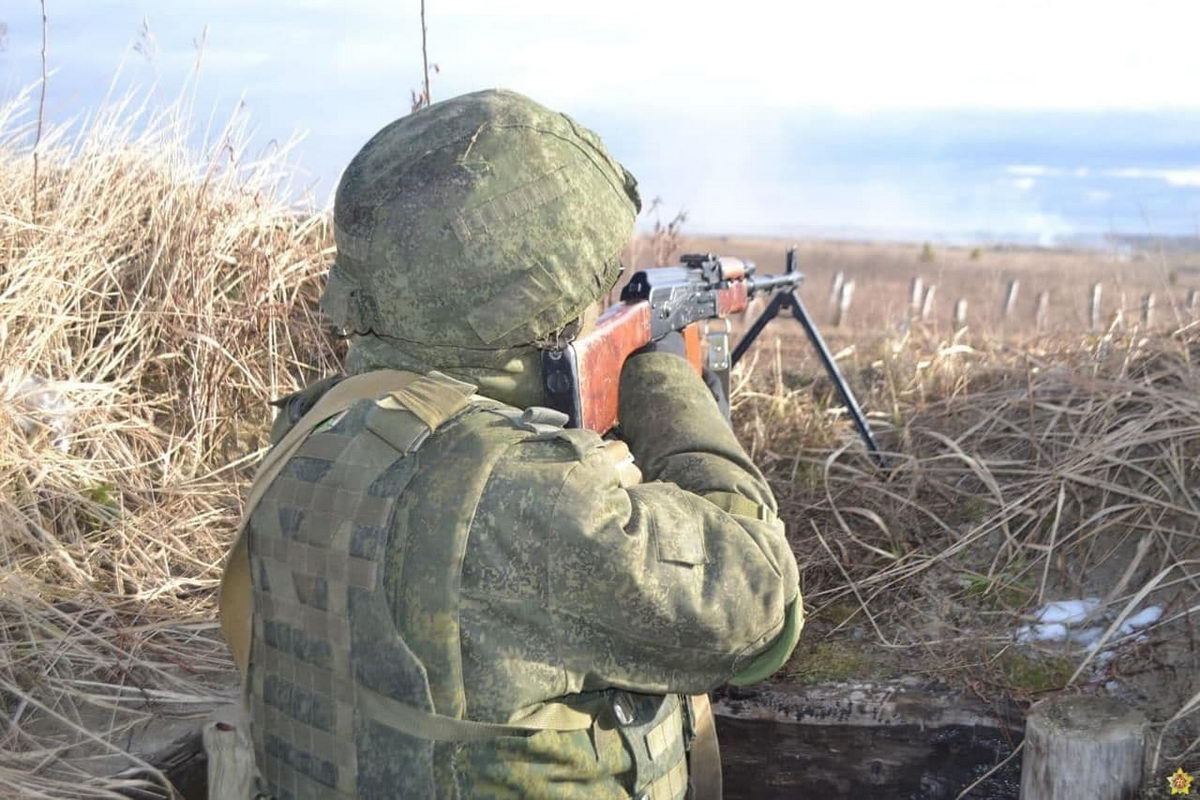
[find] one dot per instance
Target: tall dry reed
(149, 309)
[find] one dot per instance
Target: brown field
(882, 274)
(158, 299)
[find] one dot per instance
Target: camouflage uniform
(442, 561)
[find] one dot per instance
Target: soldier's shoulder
(537, 433)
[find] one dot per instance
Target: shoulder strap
(433, 399)
(547, 716)
(704, 768)
(235, 600)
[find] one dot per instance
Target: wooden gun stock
(583, 379)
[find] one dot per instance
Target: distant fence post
(845, 294)
(1148, 309)
(915, 290)
(960, 313)
(1094, 306)
(1039, 312)
(927, 302)
(1010, 297)
(835, 288)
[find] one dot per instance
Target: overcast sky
(757, 116)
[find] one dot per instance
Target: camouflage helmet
(484, 221)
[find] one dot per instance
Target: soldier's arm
(678, 434)
(687, 580)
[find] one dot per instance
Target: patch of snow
(1142, 619)
(1088, 636)
(1053, 632)
(1068, 612)
(1056, 621)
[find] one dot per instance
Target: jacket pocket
(679, 538)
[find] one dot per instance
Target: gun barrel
(765, 284)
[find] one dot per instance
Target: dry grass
(1064, 468)
(164, 297)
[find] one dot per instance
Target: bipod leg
(835, 374)
(769, 313)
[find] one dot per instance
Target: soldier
(452, 595)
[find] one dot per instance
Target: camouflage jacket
(568, 586)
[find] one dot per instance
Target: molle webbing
(235, 603)
(652, 727)
(315, 536)
(331, 684)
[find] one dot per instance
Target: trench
(899, 740)
(775, 760)
(896, 740)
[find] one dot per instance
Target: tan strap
(739, 504)
(705, 757)
(235, 601)
(430, 725)
(226, 740)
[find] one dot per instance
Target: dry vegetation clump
(1063, 469)
(150, 305)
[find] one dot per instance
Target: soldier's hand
(674, 343)
(671, 343)
(617, 453)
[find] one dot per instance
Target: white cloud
(1031, 170)
(1182, 177)
(1174, 177)
(854, 54)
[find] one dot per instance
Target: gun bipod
(792, 302)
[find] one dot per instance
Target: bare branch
(425, 53)
(37, 139)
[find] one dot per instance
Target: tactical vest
(341, 706)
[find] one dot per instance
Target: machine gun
(696, 299)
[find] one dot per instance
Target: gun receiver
(705, 287)
(582, 378)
